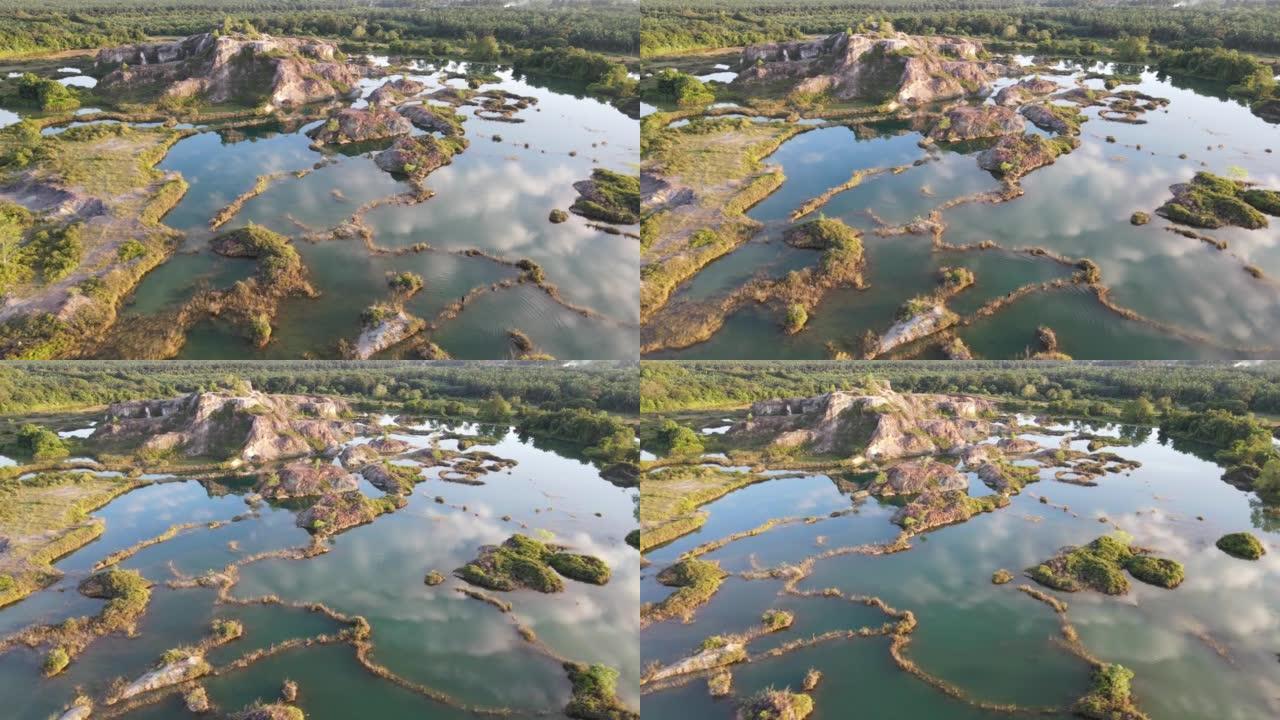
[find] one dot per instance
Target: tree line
(32, 26)
(670, 386)
(35, 387)
(676, 25)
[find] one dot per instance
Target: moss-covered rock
(522, 562)
(696, 581)
(1101, 566)
(1210, 201)
(1241, 545)
(416, 157)
(337, 512)
(1110, 697)
(55, 661)
(1016, 155)
(608, 197)
(771, 704)
(595, 695)
(774, 620)
(583, 568)
(356, 125)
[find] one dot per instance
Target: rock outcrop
(1025, 91)
(1045, 119)
(353, 125)
(933, 319)
(305, 478)
(385, 332)
(78, 711)
(432, 119)
(908, 69)
(341, 511)
(1018, 446)
(917, 476)
(418, 156)
(395, 92)
(173, 673)
(937, 508)
(251, 426)
(354, 456)
(249, 70)
(974, 122)
(1016, 155)
(885, 425)
(726, 654)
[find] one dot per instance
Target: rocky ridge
(249, 425)
(277, 72)
(894, 425)
(906, 69)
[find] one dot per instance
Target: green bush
(1241, 545)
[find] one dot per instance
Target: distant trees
(33, 26)
(672, 25)
(1140, 411)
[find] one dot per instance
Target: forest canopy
(32, 26)
(666, 386)
(27, 387)
(677, 25)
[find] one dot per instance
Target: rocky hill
(251, 426)
(908, 69)
(883, 425)
(249, 70)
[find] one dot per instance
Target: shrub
(55, 662)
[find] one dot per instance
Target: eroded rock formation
(892, 425)
(352, 125)
(908, 69)
(250, 70)
(250, 425)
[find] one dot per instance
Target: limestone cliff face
(884, 426)
(253, 426)
(253, 70)
(908, 69)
